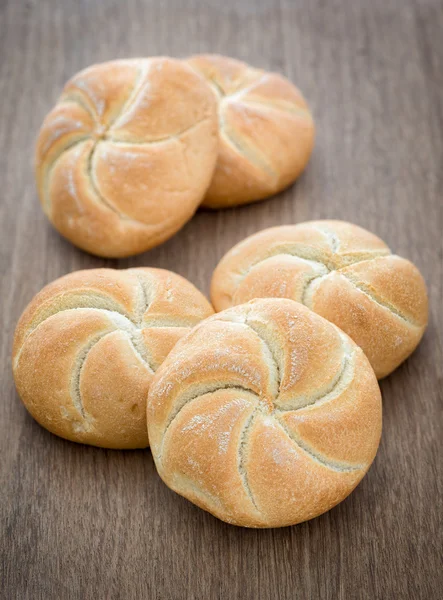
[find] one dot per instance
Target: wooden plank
(78, 522)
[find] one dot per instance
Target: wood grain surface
(78, 522)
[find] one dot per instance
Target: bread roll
(126, 155)
(87, 346)
(264, 415)
(266, 131)
(343, 273)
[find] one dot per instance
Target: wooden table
(78, 522)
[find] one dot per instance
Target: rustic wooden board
(80, 523)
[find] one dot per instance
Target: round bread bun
(340, 271)
(266, 131)
(126, 155)
(264, 415)
(87, 346)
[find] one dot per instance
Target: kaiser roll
(125, 157)
(340, 271)
(266, 131)
(264, 415)
(87, 346)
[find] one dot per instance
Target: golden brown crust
(265, 415)
(342, 272)
(126, 155)
(266, 131)
(87, 346)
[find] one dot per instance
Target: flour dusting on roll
(342, 272)
(266, 131)
(87, 346)
(265, 415)
(125, 157)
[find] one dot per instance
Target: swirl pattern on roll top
(342, 272)
(266, 131)
(264, 415)
(125, 157)
(86, 348)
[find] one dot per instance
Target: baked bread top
(87, 346)
(266, 131)
(264, 415)
(342, 272)
(125, 157)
